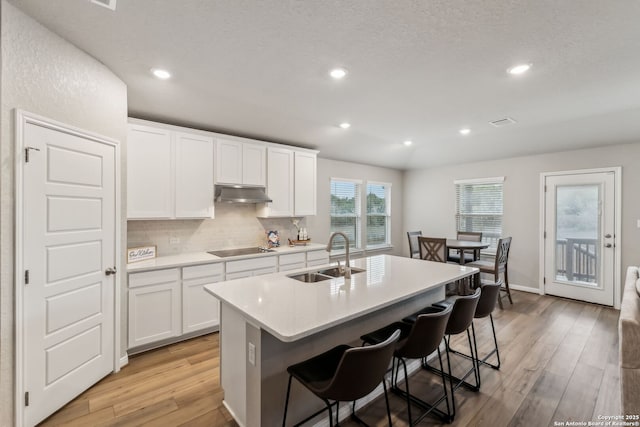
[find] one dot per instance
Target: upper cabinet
(291, 183)
(169, 174)
(239, 162)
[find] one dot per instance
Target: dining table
(465, 246)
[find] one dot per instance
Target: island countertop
(290, 310)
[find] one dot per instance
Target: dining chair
(469, 236)
(414, 249)
(497, 266)
(344, 374)
(433, 249)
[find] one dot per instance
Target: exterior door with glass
(579, 219)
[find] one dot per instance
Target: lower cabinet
(292, 261)
(319, 257)
(154, 306)
(251, 267)
(200, 310)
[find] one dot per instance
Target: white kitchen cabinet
(170, 174)
(149, 172)
(319, 257)
(251, 267)
(154, 306)
(293, 261)
(279, 183)
(239, 162)
(200, 310)
(305, 183)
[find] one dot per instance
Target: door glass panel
(578, 234)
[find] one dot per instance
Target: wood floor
(559, 363)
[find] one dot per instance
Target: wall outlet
(252, 353)
(174, 240)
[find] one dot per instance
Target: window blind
(345, 210)
(378, 214)
(479, 208)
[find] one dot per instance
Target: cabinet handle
(110, 271)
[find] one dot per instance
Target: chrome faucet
(347, 267)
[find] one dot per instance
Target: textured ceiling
(417, 69)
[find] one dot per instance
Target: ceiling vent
(109, 4)
(502, 122)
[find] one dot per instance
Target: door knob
(110, 271)
(607, 236)
(608, 245)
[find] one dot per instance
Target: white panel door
(254, 164)
(149, 173)
(69, 234)
(580, 236)
(194, 176)
(228, 161)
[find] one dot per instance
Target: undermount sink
(320, 275)
(310, 277)
(336, 272)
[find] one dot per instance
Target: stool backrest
(433, 249)
(425, 336)
(502, 253)
(414, 249)
(488, 299)
(464, 308)
(360, 370)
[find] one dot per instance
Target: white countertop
(194, 258)
(290, 310)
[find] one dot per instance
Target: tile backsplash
(234, 226)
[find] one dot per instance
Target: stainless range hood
(241, 194)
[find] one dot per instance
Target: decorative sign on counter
(140, 254)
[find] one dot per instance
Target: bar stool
(486, 305)
(344, 374)
(460, 320)
(417, 341)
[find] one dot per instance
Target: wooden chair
(433, 249)
(470, 236)
(414, 250)
(497, 266)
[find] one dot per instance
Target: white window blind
(378, 214)
(345, 210)
(479, 205)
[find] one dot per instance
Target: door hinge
(26, 277)
(26, 398)
(544, 280)
(26, 153)
(545, 235)
(545, 188)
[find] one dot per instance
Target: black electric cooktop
(241, 251)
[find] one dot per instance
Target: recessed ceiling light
(408, 142)
(465, 131)
(338, 73)
(519, 69)
(161, 74)
(345, 125)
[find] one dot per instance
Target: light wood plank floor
(559, 363)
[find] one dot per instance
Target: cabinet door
(319, 257)
(305, 184)
(194, 176)
(279, 183)
(199, 309)
(228, 161)
(149, 173)
(154, 313)
(254, 164)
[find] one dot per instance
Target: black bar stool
(460, 320)
(417, 341)
(486, 305)
(344, 374)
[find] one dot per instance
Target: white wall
(43, 74)
(319, 226)
(430, 200)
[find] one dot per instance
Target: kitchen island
(270, 322)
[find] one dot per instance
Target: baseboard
(233, 414)
(124, 360)
(525, 289)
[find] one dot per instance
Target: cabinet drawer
(321, 255)
(251, 264)
(266, 270)
(238, 275)
(292, 259)
(153, 277)
(204, 270)
(289, 267)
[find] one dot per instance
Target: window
(345, 210)
(479, 208)
(378, 214)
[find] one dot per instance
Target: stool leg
(386, 400)
(495, 341)
(453, 395)
(286, 404)
(444, 384)
(406, 384)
